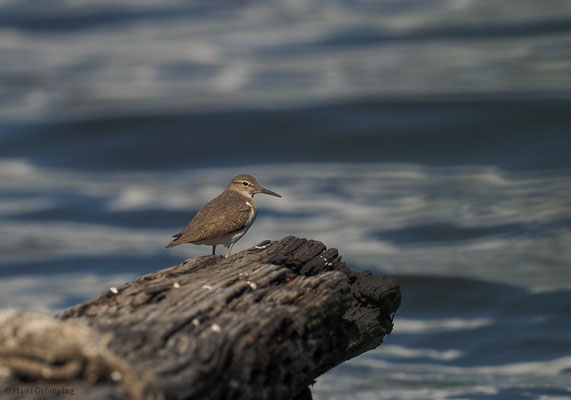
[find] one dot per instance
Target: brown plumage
(209, 222)
(225, 219)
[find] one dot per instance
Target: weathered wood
(263, 324)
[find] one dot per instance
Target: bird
(226, 218)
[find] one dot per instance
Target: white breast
(251, 217)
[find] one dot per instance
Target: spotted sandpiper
(225, 219)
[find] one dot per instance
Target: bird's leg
(214, 250)
(229, 250)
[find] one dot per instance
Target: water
(428, 140)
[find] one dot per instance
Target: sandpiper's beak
(268, 191)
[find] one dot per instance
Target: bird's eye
(245, 183)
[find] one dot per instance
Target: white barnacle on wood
(116, 375)
(114, 290)
(176, 285)
(196, 322)
(252, 284)
(216, 328)
(207, 287)
(5, 373)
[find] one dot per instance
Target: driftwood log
(263, 324)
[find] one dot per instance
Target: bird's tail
(174, 241)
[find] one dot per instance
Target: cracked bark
(263, 324)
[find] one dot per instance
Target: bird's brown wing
(226, 213)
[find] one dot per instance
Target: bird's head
(247, 185)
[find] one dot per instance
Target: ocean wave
(366, 377)
(67, 235)
(102, 57)
(397, 218)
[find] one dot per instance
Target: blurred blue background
(425, 139)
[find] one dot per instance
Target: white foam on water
(366, 392)
(20, 206)
(23, 240)
(31, 293)
(546, 397)
(412, 326)
(404, 352)
(536, 369)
